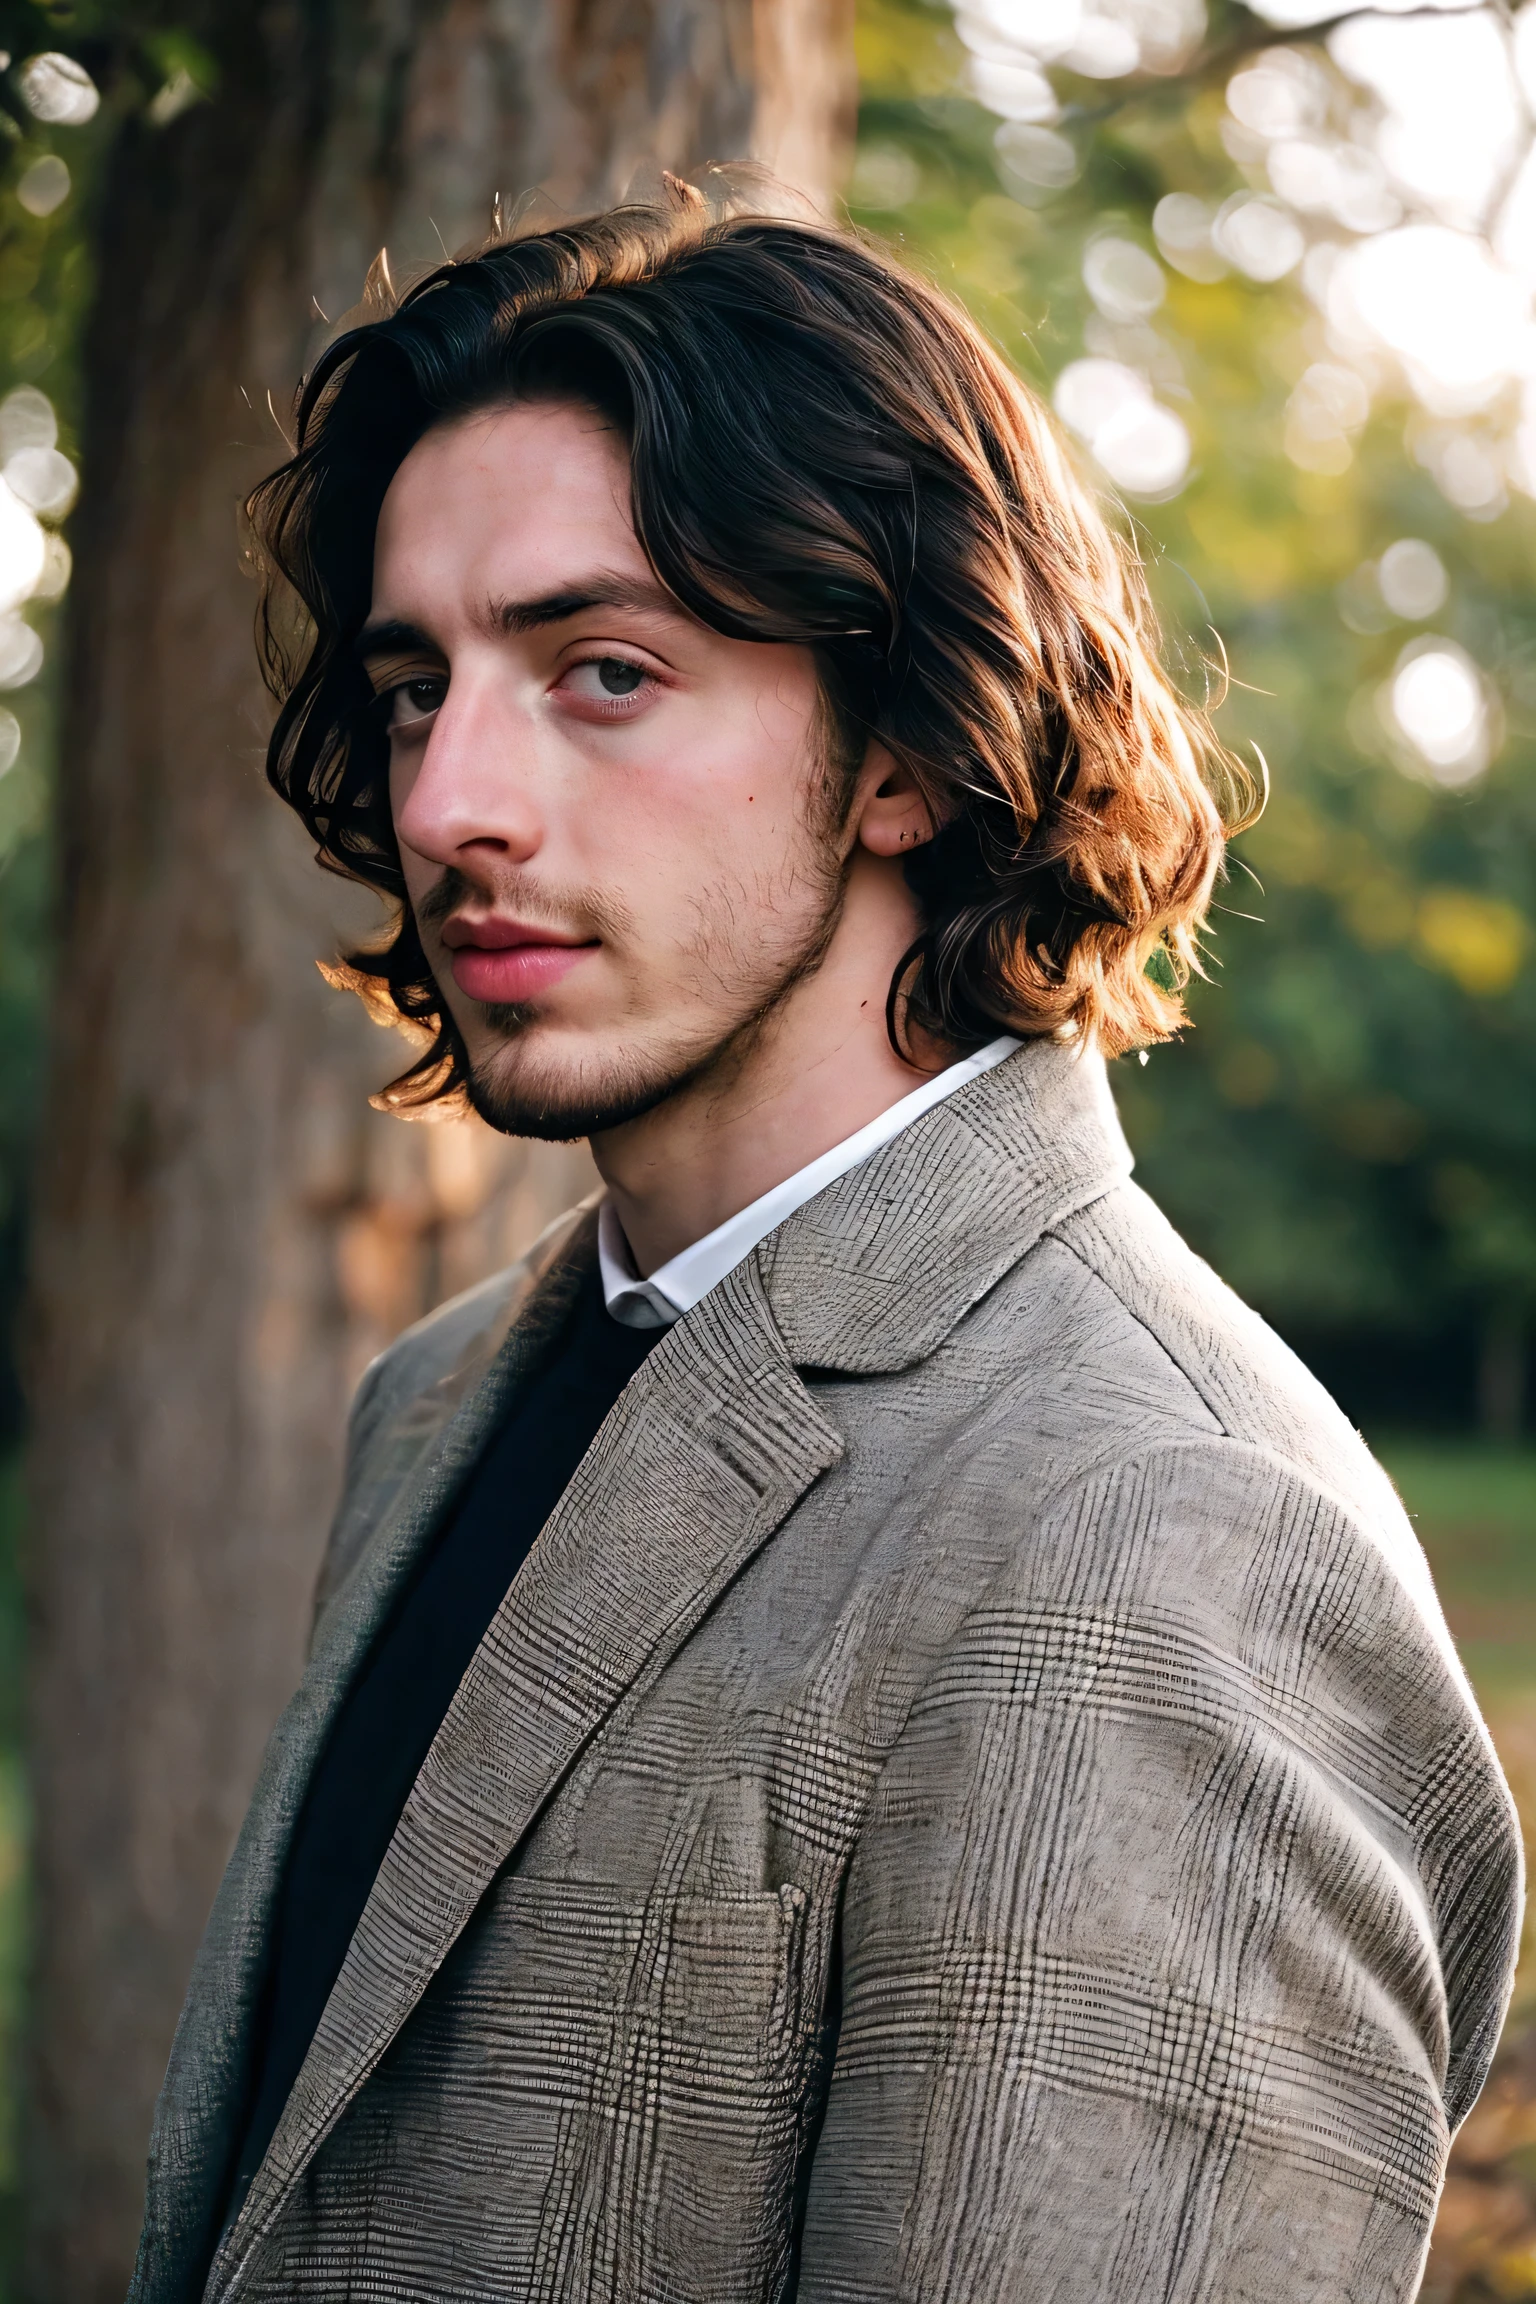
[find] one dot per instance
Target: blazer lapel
(712, 1444)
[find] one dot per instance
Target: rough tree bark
(225, 1231)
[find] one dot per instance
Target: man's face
(615, 825)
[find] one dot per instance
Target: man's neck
(821, 1067)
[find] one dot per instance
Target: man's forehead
(534, 449)
(517, 506)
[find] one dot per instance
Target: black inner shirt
(396, 1705)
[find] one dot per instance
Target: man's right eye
(414, 700)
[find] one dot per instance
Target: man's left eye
(606, 680)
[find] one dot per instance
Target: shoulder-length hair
(824, 450)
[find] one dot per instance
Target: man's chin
(521, 1089)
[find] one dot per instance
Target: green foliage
(44, 283)
(1349, 1130)
(133, 49)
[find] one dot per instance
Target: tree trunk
(225, 1232)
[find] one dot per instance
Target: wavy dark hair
(824, 450)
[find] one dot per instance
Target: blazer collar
(873, 1273)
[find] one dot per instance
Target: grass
(1475, 1510)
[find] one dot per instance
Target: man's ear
(893, 816)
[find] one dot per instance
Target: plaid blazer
(970, 1797)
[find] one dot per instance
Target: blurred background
(1274, 269)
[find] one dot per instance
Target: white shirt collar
(676, 1286)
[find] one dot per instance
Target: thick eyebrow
(575, 599)
(390, 636)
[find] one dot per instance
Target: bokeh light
(1437, 702)
(1261, 237)
(1453, 121)
(58, 90)
(44, 186)
(21, 653)
(1144, 448)
(1098, 43)
(1181, 225)
(1457, 320)
(1036, 157)
(44, 480)
(58, 566)
(1123, 280)
(1412, 579)
(37, 479)
(1327, 408)
(23, 550)
(27, 420)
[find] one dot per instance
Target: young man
(871, 1733)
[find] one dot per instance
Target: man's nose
(472, 796)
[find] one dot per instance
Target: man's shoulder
(1196, 1503)
(1130, 1348)
(1222, 1366)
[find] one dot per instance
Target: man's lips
(504, 960)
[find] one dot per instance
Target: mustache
(537, 903)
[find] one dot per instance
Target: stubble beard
(750, 978)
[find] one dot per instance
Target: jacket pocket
(734, 1978)
(599, 2100)
(676, 2178)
